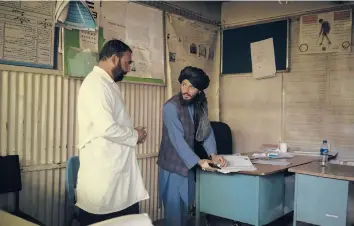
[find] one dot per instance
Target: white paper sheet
(236, 163)
(142, 67)
(263, 59)
(139, 35)
(141, 54)
(89, 40)
(114, 11)
(113, 30)
(113, 20)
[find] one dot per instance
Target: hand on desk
(218, 160)
(204, 163)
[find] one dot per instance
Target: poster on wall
(189, 43)
(326, 32)
(27, 33)
(140, 27)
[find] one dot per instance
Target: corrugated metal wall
(38, 122)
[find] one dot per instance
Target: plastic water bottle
(324, 153)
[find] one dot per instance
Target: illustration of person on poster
(325, 29)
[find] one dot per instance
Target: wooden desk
(253, 197)
(321, 193)
(12, 220)
(263, 169)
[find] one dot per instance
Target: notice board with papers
(138, 26)
(236, 50)
(27, 33)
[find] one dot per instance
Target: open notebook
(236, 163)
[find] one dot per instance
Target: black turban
(195, 76)
(200, 81)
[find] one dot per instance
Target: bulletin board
(236, 50)
(27, 33)
(138, 26)
(189, 43)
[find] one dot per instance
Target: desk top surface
(128, 220)
(263, 169)
(334, 171)
(12, 220)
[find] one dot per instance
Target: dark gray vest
(168, 157)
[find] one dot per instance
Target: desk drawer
(321, 201)
(249, 199)
(231, 196)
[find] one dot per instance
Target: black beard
(118, 74)
(188, 102)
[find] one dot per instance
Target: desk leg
(295, 202)
(197, 199)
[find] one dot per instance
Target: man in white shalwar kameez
(109, 179)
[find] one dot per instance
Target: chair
(223, 139)
(10, 181)
(72, 168)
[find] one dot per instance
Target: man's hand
(218, 159)
(141, 134)
(204, 163)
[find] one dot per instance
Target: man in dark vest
(185, 124)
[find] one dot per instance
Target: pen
(214, 165)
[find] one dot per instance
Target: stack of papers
(236, 163)
(278, 162)
(276, 154)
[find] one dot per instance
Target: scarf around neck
(200, 117)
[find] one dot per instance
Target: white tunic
(109, 178)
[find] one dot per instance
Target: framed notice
(27, 33)
(326, 32)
